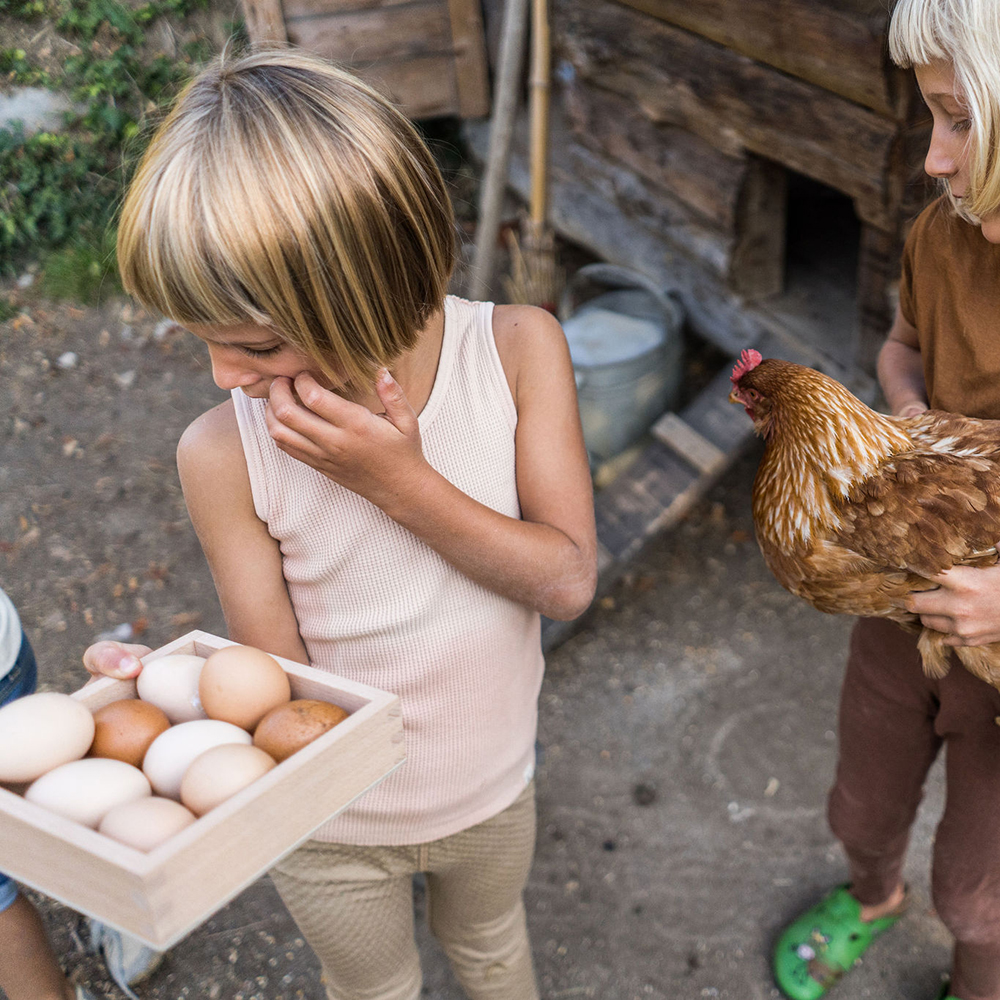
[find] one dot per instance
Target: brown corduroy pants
(893, 722)
(354, 905)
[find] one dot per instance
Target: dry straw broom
(534, 277)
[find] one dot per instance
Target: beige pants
(354, 905)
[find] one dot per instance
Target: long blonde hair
(965, 33)
(284, 192)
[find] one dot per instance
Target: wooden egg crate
(161, 895)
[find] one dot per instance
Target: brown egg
(240, 684)
(123, 730)
(290, 727)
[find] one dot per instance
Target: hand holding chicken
(866, 514)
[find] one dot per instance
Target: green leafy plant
(59, 190)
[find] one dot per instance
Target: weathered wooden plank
(627, 193)
(715, 419)
(689, 444)
(423, 87)
(265, 21)
(307, 8)
(757, 268)
(838, 45)
(379, 35)
(692, 169)
(468, 45)
(654, 492)
(731, 101)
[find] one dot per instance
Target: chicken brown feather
(854, 509)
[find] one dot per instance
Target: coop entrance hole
(818, 298)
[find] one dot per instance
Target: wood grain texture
(265, 20)
(693, 170)
(469, 46)
(677, 78)
(428, 56)
(839, 46)
(379, 34)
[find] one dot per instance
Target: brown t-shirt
(950, 291)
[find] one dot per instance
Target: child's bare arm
(901, 370)
(244, 559)
(546, 560)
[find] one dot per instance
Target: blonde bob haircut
(283, 192)
(965, 33)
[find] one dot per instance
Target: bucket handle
(614, 276)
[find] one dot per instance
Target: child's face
(948, 154)
(250, 357)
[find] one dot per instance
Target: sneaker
(129, 961)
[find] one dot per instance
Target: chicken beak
(733, 398)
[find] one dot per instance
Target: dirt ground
(686, 734)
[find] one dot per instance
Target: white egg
(41, 731)
(171, 684)
(171, 752)
(84, 790)
(146, 823)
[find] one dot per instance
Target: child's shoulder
(530, 342)
(522, 331)
(211, 438)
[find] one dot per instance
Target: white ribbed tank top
(377, 605)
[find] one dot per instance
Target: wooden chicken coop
(427, 55)
(761, 157)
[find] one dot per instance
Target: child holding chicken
(942, 352)
(395, 491)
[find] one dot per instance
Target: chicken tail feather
(934, 653)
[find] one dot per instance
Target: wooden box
(161, 895)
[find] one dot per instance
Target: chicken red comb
(748, 361)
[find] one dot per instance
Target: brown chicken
(854, 509)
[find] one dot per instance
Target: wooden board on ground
(161, 895)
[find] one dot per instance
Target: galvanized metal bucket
(625, 340)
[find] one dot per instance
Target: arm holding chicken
(966, 604)
(901, 370)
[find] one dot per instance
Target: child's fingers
(290, 441)
(114, 659)
(397, 406)
(322, 402)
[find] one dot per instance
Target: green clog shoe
(817, 948)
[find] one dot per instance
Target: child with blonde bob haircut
(943, 351)
(395, 491)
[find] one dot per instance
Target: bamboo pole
(511, 59)
(534, 277)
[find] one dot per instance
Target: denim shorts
(19, 680)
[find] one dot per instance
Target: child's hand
(912, 409)
(378, 457)
(114, 659)
(965, 607)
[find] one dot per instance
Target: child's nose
(230, 370)
(943, 159)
